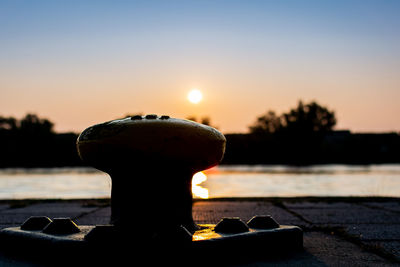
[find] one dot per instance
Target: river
(221, 181)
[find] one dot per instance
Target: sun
(195, 96)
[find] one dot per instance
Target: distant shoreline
(336, 147)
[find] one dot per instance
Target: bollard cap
(151, 140)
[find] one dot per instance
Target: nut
(151, 117)
(35, 223)
(231, 225)
(164, 117)
(262, 222)
(61, 226)
(136, 117)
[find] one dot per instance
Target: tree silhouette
(269, 123)
(8, 124)
(31, 124)
(309, 118)
(304, 119)
(31, 142)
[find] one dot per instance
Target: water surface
(222, 181)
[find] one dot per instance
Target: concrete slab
(324, 250)
(97, 217)
(347, 213)
(214, 211)
(334, 251)
(16, 216)
(316, 205)
(211, 212)
(50, 208)
(390, 206)
(390, 247)
(377, 226)
(373, 232)
(4, 206)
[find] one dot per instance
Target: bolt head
(61, 226)
(262, 222)
(151, 116)
(231, 225)
(136, 117)
(164, 117)
(36, 223)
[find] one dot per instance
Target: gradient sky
(83, 62)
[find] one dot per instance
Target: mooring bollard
(151, 160)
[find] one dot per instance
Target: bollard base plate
(205, 241)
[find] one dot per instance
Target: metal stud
(151, 117)
(61, 226)
(231, 225)
(36, 223)
(136, 117)
(262, 222)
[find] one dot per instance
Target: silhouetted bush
(302, 120)
(31, 142)
(335, 147)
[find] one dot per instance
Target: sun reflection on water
(197, 190)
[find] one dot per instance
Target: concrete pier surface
(337, 231)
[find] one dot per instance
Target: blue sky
(82, 62)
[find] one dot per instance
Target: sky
(83, 62)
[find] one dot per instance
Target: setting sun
(195, 96)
